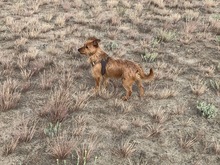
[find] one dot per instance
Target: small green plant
(121, 10)
(149, 57)
(216, 16)
(112, 45)
(84, 161)
(58, 161)
(155, 43)
(218, 39)
(208, 110)
(218, 66)
(165, 35)
(53, 129)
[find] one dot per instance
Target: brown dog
(104, 67)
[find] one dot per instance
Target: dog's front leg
(96, 73)
(105, 82)
(97, 84)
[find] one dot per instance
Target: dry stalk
(9, 95)
(125, 150)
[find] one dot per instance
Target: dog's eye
(87, 47)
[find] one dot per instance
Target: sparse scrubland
(48, 113)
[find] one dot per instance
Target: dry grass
(166, 71)
(120, 126)
(25, 86)
(26, 130)
(58, 106)
(159, 115)
(26, 74)
(210, 3)
(121, 106)
(180, 109)
(86, 150)
(42, 71)
(209, 71)
(66, 80)
(81, 101)
(198, 87)
(23, 61)
(125, 150)
(167, 93)
(11, 146)
(188, 141)
(138, 122)
(154, 130)
(215, 85)
(61, 147)
(9, 95)
(47, 81)
(216, 148)
(108, 92)
(156, 3)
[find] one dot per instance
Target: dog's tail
(145, 76)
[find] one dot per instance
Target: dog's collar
(93, 63)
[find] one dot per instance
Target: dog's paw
(124, 98)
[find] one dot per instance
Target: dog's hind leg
(141, 88)
(127, 84)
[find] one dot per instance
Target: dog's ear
(96, 42)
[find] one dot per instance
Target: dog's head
(90, 47)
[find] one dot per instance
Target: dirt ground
(48, 113)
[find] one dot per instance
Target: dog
(105, 67)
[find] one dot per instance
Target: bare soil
(38, 43)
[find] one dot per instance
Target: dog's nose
(79, 50)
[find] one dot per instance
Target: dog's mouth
(81, 51)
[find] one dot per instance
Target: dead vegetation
(9, 95)
(198, 87)
(61, 147)
(86, 150)
(58, 107)
(154, 130)
(11, 146)
(188, 141)
(125, 150)
(49, 113)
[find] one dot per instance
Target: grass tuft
(198, 87)
(11, 146)
(188, 141)
(9, 95)
(58, 106)
(154, 130)
(86, 150)
(165, 35)
(125, 150)
(61, 147)
(159, 115)
(26, 130)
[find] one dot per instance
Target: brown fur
(129, 71)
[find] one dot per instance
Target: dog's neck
(98, 56)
